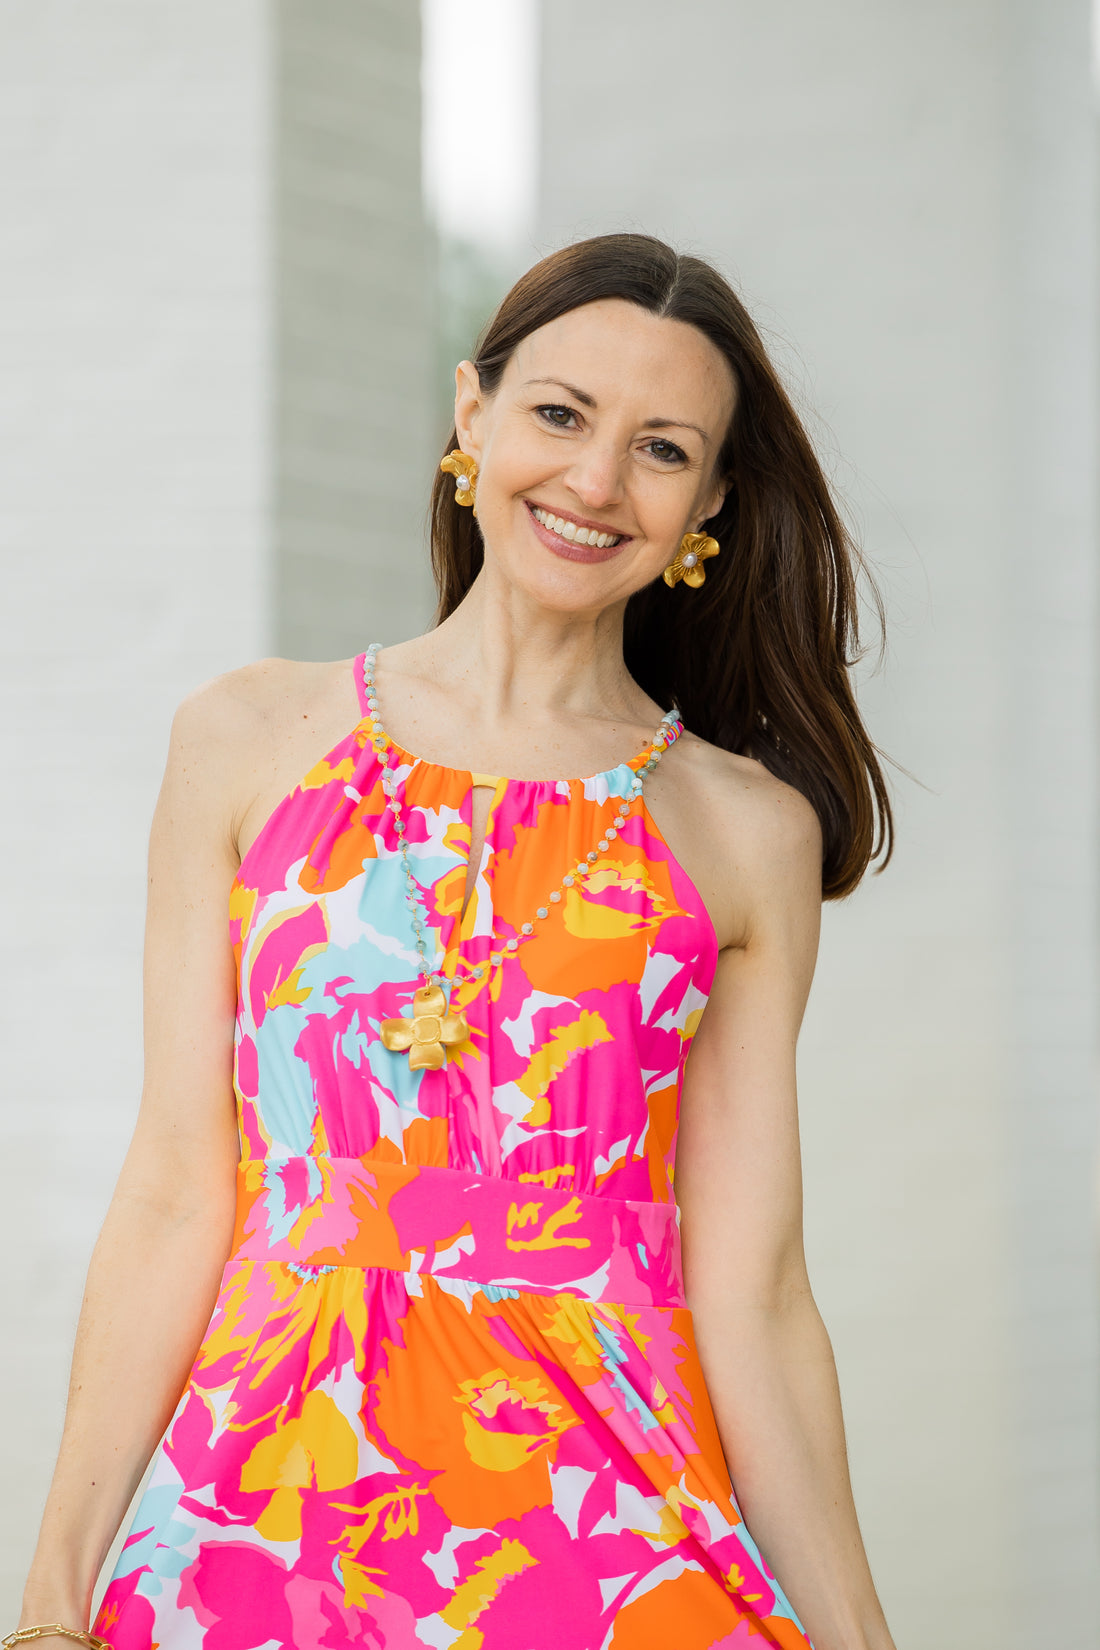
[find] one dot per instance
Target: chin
(571, 593)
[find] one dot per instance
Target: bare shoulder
(237, 737)
(751, 841)
(255, 701)
(773, 822)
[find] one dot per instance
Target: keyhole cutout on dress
(481, 799)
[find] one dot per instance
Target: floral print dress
(449, 1394)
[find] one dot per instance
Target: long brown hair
(758, 659)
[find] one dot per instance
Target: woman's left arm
(764, 1350)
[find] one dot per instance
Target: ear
(469, 405)
(714, 500)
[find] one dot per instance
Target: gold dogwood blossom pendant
(429, 1033)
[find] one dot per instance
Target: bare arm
(156, 1267)
(764, 1349)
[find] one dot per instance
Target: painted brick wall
(213, 397)
(906, 196)
(353, 346)
(134, 522)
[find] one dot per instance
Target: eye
(558, 416)
(667, 452)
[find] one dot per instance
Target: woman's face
(597, 452)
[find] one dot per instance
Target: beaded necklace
(432, 1029)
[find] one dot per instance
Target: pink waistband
(481, 1229)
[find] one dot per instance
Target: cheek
(514, 455)
(662, 505)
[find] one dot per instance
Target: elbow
(174, 1188)
(776, 1286)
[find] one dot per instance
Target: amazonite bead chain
(574, 876)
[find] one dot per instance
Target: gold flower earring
(464, 469)
(687, 564)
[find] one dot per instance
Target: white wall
(351, 407)
(133, 513)
(167, 174)
(906, 196)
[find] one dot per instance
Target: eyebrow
(587, 400)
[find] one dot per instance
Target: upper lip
(579, 521)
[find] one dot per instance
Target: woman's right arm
(156, 1267)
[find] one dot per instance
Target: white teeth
(577, 535)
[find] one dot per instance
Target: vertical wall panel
(906, 196)
(213, 410)
(353, 345)
(1049, 756)
(134, 524)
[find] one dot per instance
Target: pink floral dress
(449, 1394)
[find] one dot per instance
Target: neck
(514, 654)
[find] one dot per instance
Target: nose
(595, 475)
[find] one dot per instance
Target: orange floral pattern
(449, 1394)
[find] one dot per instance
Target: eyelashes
(545, 412)
(558, 417)
(678, 456)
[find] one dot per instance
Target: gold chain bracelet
(23, 1635)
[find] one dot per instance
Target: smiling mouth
(568, 530)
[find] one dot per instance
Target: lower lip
(569, 551)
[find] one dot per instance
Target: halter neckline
(668, 732)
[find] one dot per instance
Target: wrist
(55, 1633)
(68, 1605)
(59, 1587)
(73, 1616)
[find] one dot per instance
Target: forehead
(615, 350)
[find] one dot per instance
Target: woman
(405, 1240)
